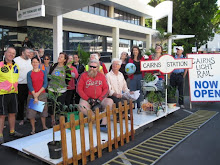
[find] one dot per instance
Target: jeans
(135, 84)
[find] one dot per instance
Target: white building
(212, 46)
(97, 25)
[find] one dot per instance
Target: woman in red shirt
(71, 85)
(37, 83)
(156, 56)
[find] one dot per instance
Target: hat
(180, 48)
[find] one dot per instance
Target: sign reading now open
(204, 78)
(166, 64)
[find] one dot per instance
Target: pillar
(57, 36)
(111, 11)
(142, 21)
(169, 27)
(115, 42)
(148, 41)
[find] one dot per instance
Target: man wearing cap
(178, 75)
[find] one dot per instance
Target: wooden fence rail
(95, 119)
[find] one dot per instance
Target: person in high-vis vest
(94, 57)
(9, 73)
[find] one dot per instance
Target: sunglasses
(46, 59)
(93, 66)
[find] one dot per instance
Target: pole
(166, 97)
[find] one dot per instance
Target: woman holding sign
(37, 83)
(137, 76)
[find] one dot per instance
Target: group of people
(26, 77)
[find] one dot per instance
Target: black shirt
(138, 67)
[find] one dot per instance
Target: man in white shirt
(24, 63)
(116, 82)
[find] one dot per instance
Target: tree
(41, 37)
(216, 22)
(192, 17)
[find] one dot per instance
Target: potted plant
(68, 110)
(55, 146)
(171, 96)
(150, 79)
(156, 98)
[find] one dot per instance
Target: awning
(53, 7)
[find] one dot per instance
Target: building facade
(107, 26)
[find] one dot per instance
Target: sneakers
(16, 134)
(182, 106)
(104, 128)
(1, 140)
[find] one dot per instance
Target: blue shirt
(179, 70)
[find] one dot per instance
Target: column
(154, 23)
(148, 41)
(104, 43)
(169, 27)
(66, 44)
(111, 12)
(115, 42)
(131, 44)
(142, 21)
(57, 36)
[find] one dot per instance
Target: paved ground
(201, 148)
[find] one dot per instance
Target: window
(85, 9)
(126, 17)
(97, 9)
(92, 9)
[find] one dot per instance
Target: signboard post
(166, 64)
(194, 49)
(33, 12)
(204, 78)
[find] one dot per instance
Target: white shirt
(25, 66)
(116, 83)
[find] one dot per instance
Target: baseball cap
(179, 48)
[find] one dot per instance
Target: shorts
(104, 103)
(8, 104)
(32, 113)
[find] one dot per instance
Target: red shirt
(152, 72)
(37, 81)
(95, 88)
(71, 84)
(103, 67)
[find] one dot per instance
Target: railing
(95, 119)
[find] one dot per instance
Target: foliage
(53, 96)
(148, 77)
(171, 92)
(198, 17)
(155, 97)
(162, 36)
(41, 37)
(216, 22)
(83, 55)
(150, 51)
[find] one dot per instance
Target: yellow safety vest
(8, 78)
(100, 68)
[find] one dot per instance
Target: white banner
(166, 64)
(204, 77)
(32, 12)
